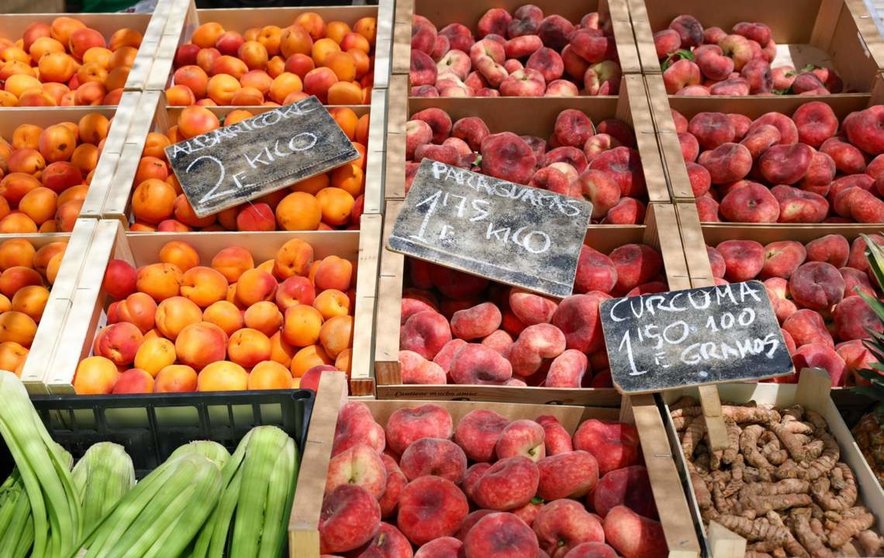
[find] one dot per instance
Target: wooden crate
(639, 410)
(659, 232)
(837, 34)
(811, 392)
(154, 116)
(187, 18)
(121, 118)
(87, 305)
(468, 13)
(150, 25)
(526, 115)
(753, 107)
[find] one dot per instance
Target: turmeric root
(836, 492)
(754, 530)
(808, 539)
(853, 522)
(779, 484)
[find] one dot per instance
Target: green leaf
(808, 68)
(686, 54)
(793, 73)
(780, 91)
(875, 255)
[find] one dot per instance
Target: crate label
(485, 226)
(234, 164)
(707, 335)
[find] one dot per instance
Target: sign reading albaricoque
(507, 232)
(706, 335)
(259, 155)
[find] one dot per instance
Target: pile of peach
(462, 329)
(814, 290)
(26, 275)
(777, 169)
(274, 65)
(177, 325)
(710, 61)
(523, 54)
(534, 490)
(598, 163)
(66, 63)
(45, 173)
(333, 200)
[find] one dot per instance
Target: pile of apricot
(275, 65)
(178, 325)
(333, 200)
(26, 275)
(45, 173)
(66, 63)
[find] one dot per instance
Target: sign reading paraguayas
(482, 225)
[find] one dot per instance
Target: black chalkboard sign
(697, 336)
(259, 155)
(514, 234)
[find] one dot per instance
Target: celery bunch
(44, 472)
(259, 485)
(102, 476)
(16, 521)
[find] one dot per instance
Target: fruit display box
(660, 232)
(531, 116)
(812, 393)
(84, 312)
(239, 20)
(115, 202)
(150, 427)
(639, 410)
(150, 25)
(121, 118)
(838, 34)
(835, 164)
(468, 14)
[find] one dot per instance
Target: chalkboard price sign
(231, 165)
(707, 335)
(510, 233)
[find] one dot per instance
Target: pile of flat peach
(422, 486)
(526, 53)
(178, 325)
(807, 168)
(45, 173)
(463, 329)
(597, 161)
(332, 200)
(66, 63)
(26, 275)
(814, 288)
(276, 65)
(701, 61)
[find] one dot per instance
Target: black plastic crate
(152, 426)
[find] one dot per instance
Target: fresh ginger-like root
(838, 491)
(808, 539)
(870, 543)
(793, 445)
(693, 435)
(853, 522)
(755, 530)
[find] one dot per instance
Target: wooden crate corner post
(304, 520)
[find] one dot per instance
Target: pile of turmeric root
(779, 484)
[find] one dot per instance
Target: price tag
(507, 232)
(231, 165)
(707, 335)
